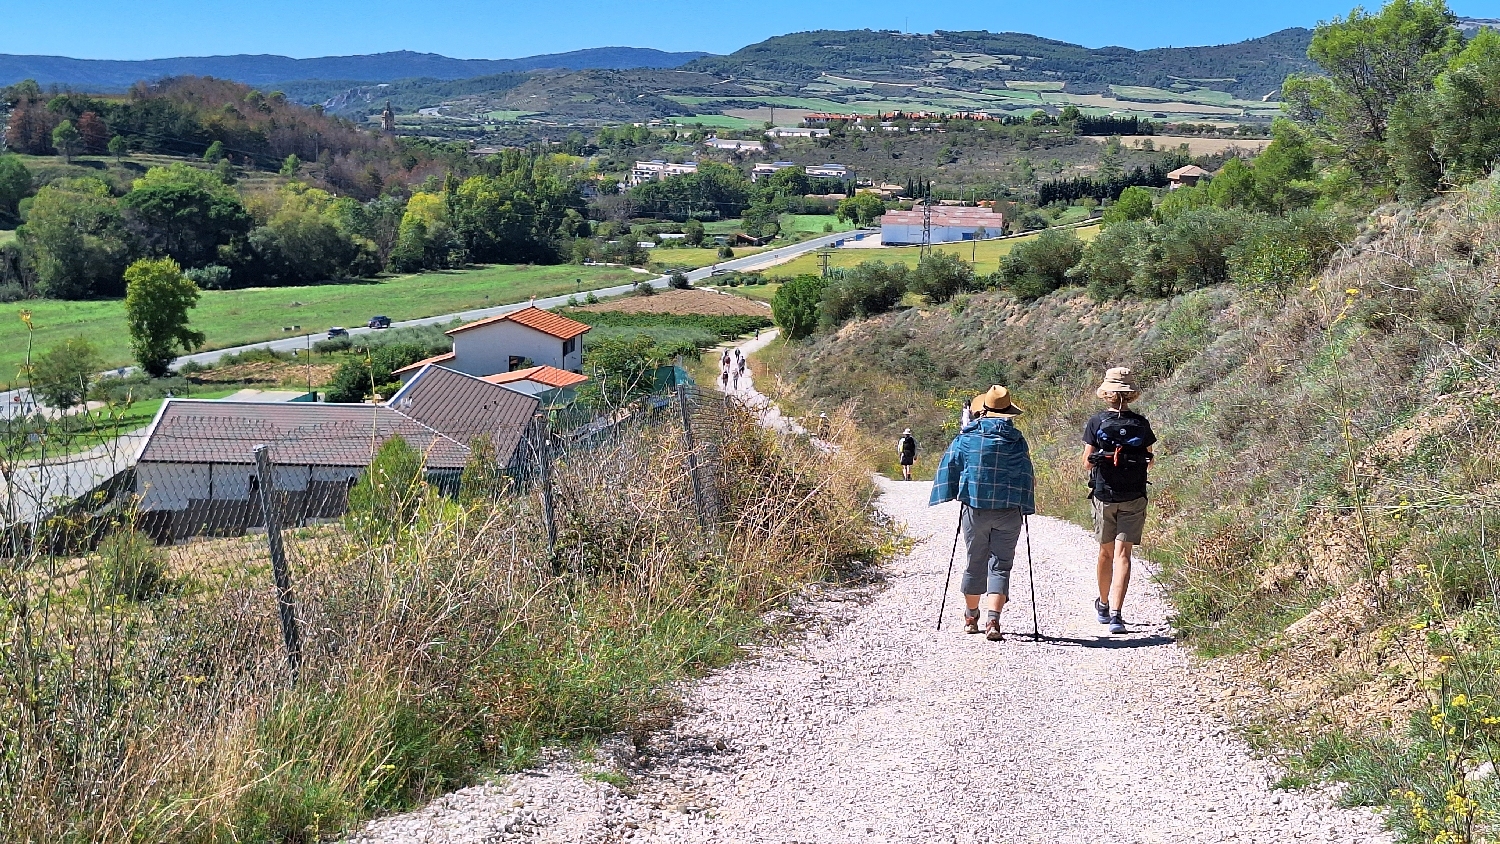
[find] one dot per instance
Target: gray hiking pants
(990, 536)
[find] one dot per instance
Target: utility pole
(823, 261)
(926, 228)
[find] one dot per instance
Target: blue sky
(139, 29)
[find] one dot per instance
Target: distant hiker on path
(988, 470)
(1117, 454)
(907, 448)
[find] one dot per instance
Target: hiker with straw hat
(1117, 454)
(988, 470)
(906, 448)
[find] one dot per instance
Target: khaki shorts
(1123, 521)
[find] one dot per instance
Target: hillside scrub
(447, 643)
(1324, 505)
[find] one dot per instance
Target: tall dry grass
(458, 645)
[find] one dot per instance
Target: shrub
(725, 252)
(940, 276)
(385, 499)
(1037, 267)
(871, 288)
(678, 281)
(130, 565)
(211, 277)
(1134, 204)
(1111, 262)
(645, 288)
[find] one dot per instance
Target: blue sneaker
(1117, 623)
(1101, 611)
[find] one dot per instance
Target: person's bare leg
(971, 602)
(994, 601)
(1106, 569)
(1121, 580)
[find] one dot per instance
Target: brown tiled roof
(442, 358)
(548, 375)
(1189, 170)
(946, 216)
(299, 433)
(466, 408)
(534, 318)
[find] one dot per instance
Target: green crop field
(506, 116)
(716, 121)
(698, 258)
(7, 235)
(813, 223)
(985, 254)
(237, 317)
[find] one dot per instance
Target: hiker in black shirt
(1117, 454)
(907, 448)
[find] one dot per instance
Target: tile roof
(550, 376)
(1189, 170)
(465, 408)
(536, 319)
(299, 433)
(442, 358)
(946, 216)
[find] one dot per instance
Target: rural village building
(760, 171)
(505, 343)
(655, 170)
(735, 145)
(827, 171)
(796, 132)
(195, 472)
(949, 225)
(1185, 177)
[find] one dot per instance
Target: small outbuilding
(517, 340)
(1185, 177)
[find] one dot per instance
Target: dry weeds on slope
(452, 644)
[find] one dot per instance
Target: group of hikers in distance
(988, 470)
(731, 369)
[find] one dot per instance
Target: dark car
(337, 331)
(379, 322)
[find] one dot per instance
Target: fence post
(542, 447)
(692, 456)
(286, 604)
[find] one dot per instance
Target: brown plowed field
(683, 302)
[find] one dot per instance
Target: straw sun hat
(995, 400)
(1118, 379)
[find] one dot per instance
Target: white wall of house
(169, 486)
(487, 350)
(902, 233)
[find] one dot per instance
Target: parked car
(337, 331)
(379, 322)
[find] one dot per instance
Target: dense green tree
(871, 288)
(1284, 170)
(625, 367)
(1111, 261)
(61, 376)
(1135, 203)
(291, 165)
(118, 148)
(693, 230)
(185, 213)
(15, 184)
(862, 209)
(715, 188)
(795, 306)
(215, 152)
(1235, 186)
(1466, 110)
(157, 300)
(1369, 63)
(66, 138)
(1194, 248)
(76, 240)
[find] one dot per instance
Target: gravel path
(872, 726)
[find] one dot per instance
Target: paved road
(19, 401)
(34, 487)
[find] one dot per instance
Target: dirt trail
(875, 727)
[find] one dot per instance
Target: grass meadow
(985, 255)
(237, 317)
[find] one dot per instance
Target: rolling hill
(103, 75)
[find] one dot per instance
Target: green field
(813, 223)
(716, 121)
(7, 235)
(698, 258)
(985, 254)
(504, 116)
(237, 317)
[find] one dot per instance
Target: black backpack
(1121, 458)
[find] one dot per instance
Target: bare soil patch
(707, 302)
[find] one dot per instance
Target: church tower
(388, 118)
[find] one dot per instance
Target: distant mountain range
(102, 75)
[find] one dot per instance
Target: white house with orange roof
(529, 337)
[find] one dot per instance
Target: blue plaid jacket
(988, 467)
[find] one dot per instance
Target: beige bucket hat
(996, 400)
(1119, 379)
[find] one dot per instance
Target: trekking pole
(1036, 630)
(943, 604)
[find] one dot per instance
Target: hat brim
(1117, 387)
